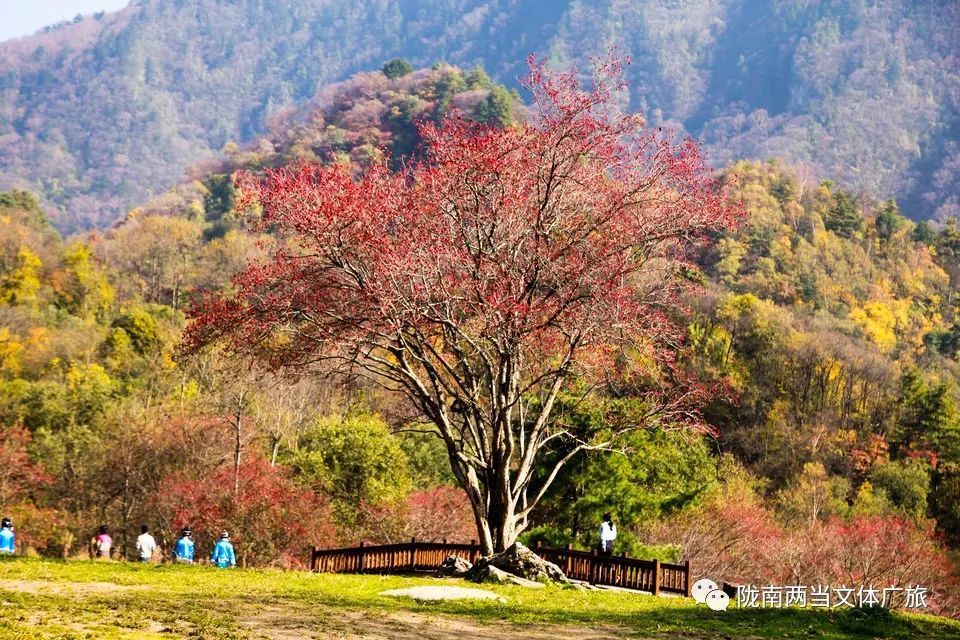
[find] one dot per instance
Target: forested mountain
(101, 114)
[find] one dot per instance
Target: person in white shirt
(608, 533)
(146, 545)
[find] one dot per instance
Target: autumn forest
(228, 343)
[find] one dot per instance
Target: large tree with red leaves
(496, 270)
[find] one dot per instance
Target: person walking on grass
(223, 555)
(608, 533)
(7, 538)
(146, 545)
(101, 543)
(183, 550)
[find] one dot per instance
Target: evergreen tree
(930, 418)
(396, 68)
(946, 501)
(449, 84)
(948, 241)
(843, 218)
(888, 221)
(924, 233)
(478, 79)
(784, 189)
(496, 108)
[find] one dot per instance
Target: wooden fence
(589, 566)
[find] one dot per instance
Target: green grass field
(77, 599)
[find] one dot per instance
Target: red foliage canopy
(485, 275)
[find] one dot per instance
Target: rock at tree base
(455, 566)
(442, 593)
(490, 573)
(518, 561)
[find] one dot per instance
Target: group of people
(222, 555)
(101, 545)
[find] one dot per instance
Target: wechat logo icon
(708, 592)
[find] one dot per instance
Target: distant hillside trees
(99, 115)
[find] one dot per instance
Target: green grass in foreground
(76, 599)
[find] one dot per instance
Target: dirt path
(287, 622)
(66, 588)
(279, 623)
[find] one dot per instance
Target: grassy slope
(47, 599)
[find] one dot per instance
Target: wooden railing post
(360, 562)
(569, 564)
(593, 567)
(688, 588)
(313, 560)
(656, 577)
(413, 554)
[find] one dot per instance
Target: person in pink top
(100, 545)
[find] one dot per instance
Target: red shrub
(736, 539)
(732, 539)
(21, 486)
(19, 478)
(441, 513)
(270, 519)
(872, 551)
(39, 529)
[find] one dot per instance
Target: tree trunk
(126, 510)
(275, 451)
(496, 469)
(493, 512)
(497, 529)
(238, 449)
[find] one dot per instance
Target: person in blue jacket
(183, 550)
(7, 542)
(223, 555)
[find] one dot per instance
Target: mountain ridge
(105, 113)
